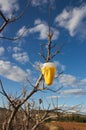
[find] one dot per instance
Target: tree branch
(7, 21)
(22, 12)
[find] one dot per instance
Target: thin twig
(22, 12)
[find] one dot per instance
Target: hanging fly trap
(48, 70)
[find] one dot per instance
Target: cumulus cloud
(23, 31)
(68, 80)
(12, 72)
(16, 49)
(8, 6)
(37, 21)
(59, 66)
(2, 50)
(72, 19)
(21, 57)
(39, 27)
(43, 29)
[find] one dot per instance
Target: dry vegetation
(19, 122)
(66, 126)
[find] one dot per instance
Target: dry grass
(66, 126)
(48, 126)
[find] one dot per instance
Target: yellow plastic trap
(48, 71)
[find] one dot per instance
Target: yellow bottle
(48, 70)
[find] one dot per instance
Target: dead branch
(15, 38)
(42, 52)
(22, 12)
(18, 103)
(9, 20)
(41, 119)
(58, 50)
(5, 94)
(6, 21)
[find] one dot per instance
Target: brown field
(66, 125)
(53, 125)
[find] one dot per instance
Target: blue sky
(20, 59)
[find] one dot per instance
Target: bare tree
(16, 103)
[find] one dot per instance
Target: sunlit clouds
(41, 28)
(11, 71)
(21, 57)
(72, 19)
(8, 6)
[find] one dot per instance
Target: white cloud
(8, 6)
(29, 72)
(68, 80)
(2, 50)
(37, 21)
(74, 91)
(16, 49)
(39, 27)
(21, 57)
(72, 19)
(22, 32)
(43, 30)
(53, 97)
(59, 66)
(12, 72)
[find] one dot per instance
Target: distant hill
(61, 116)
